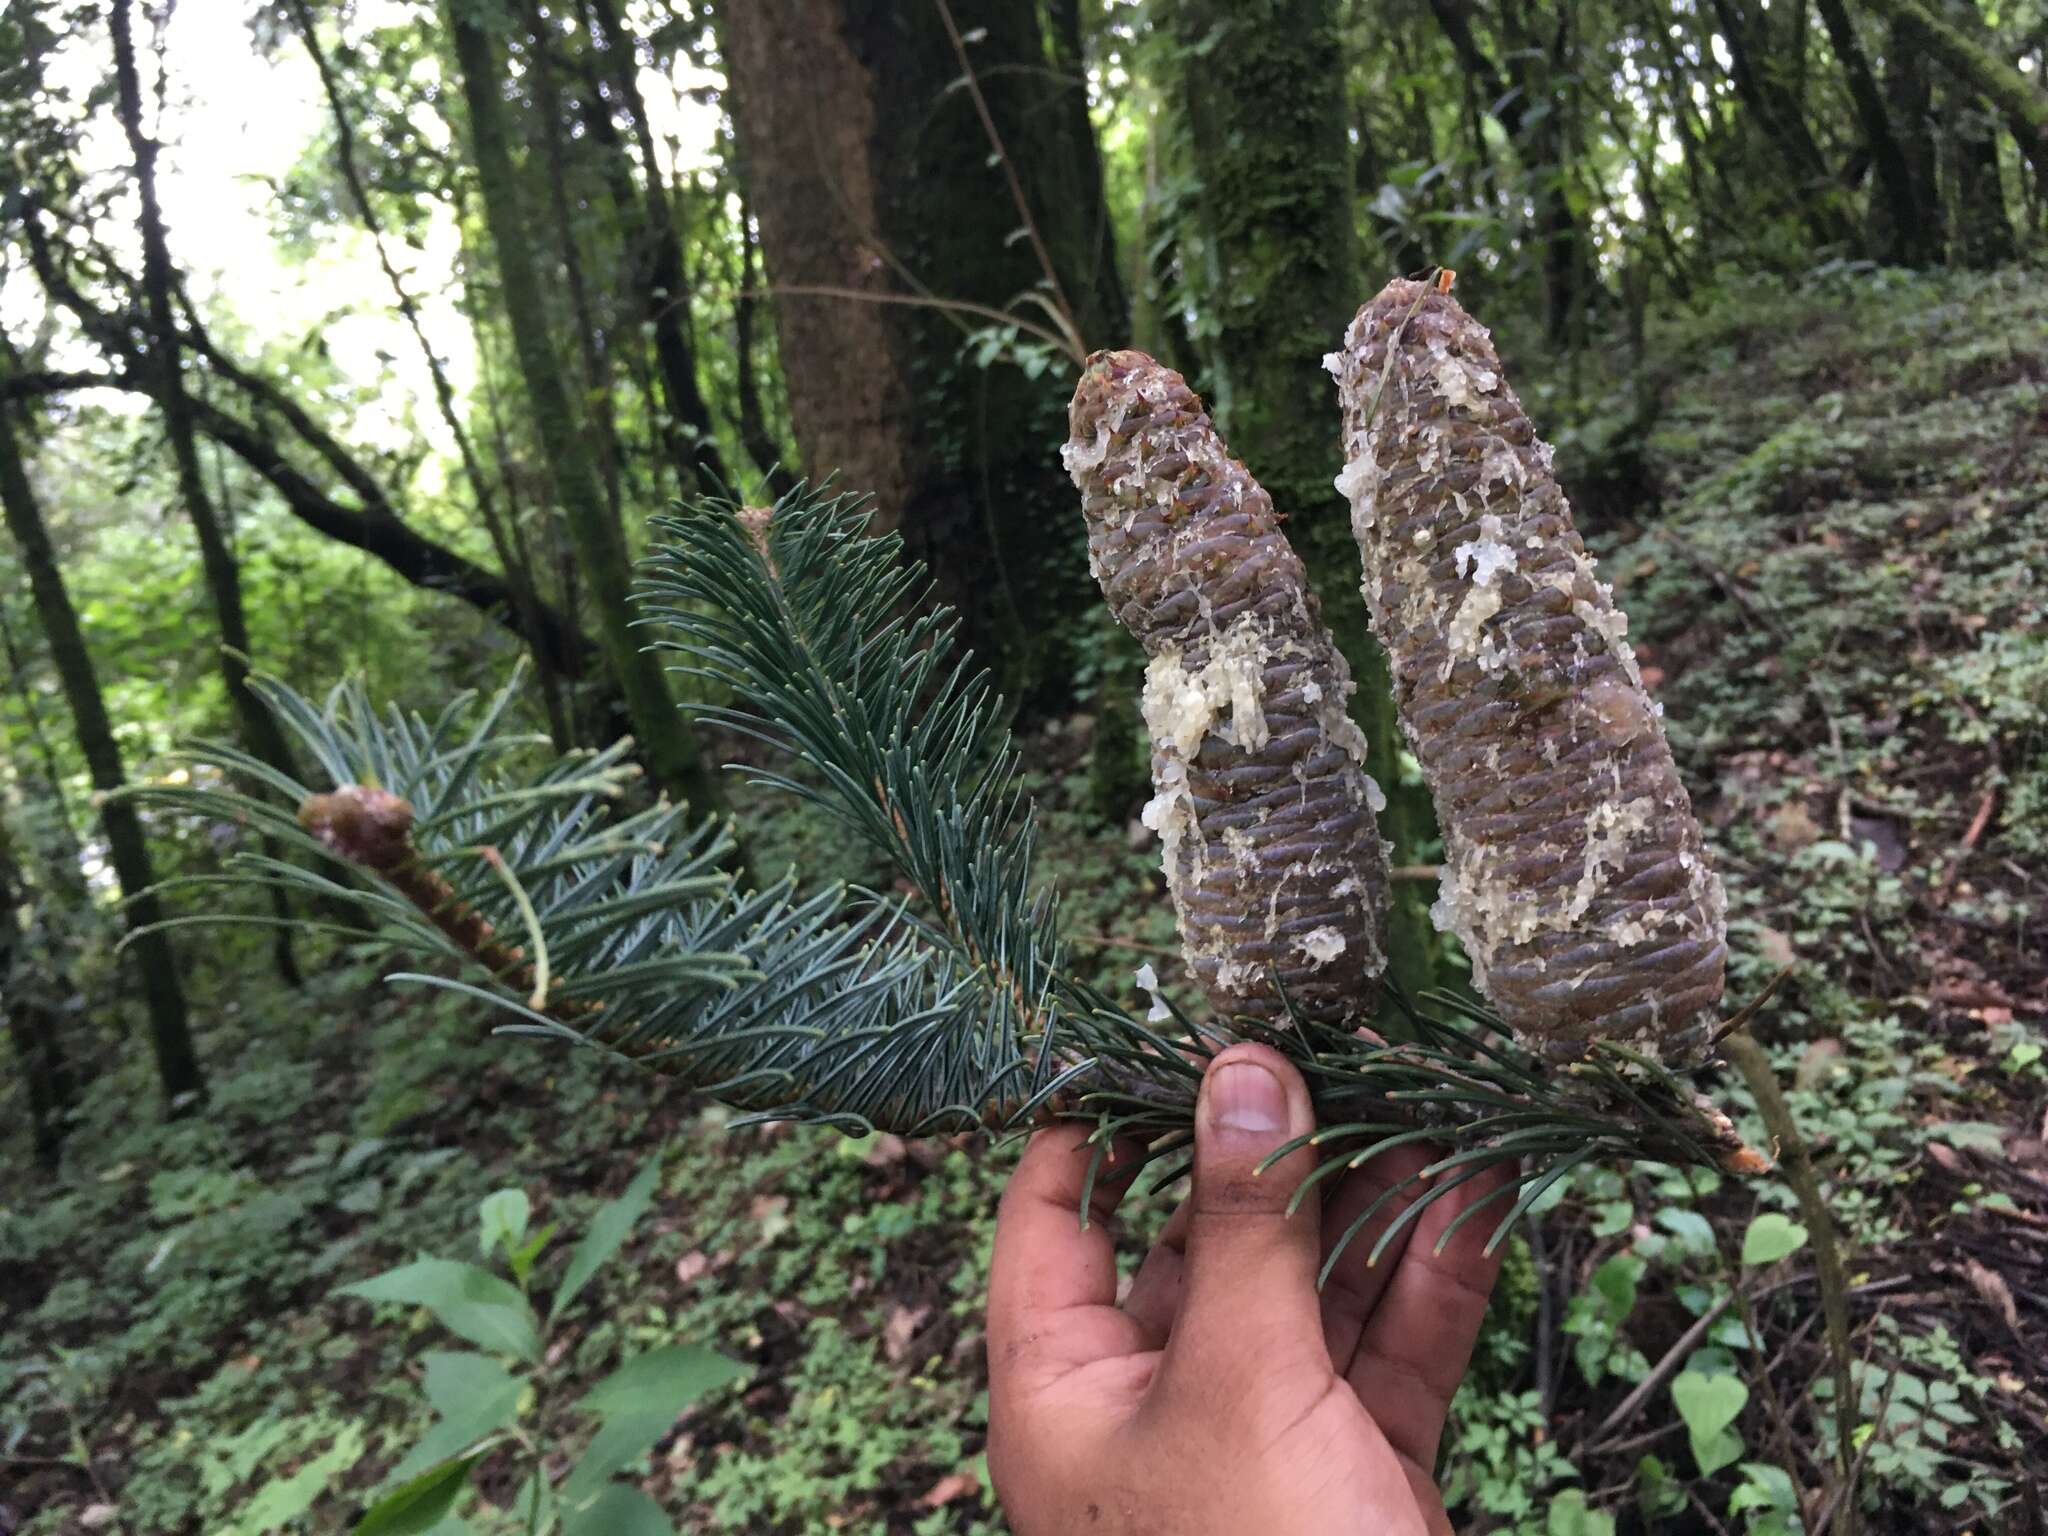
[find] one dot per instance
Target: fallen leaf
(1818, 1062)
(1791, 827)
(693, 1266)
(1991, 1286)
(772, 1212)
(1776, 948)
(954, 1485)
(93, 1516)
(886, 1151)
(900, 1329)
(1948, 1159)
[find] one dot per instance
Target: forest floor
(1830, 542)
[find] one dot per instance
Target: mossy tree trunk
(1261, 92)
(170, 1032)
(259, 732)
(2020, 101)
(667, 747)
(871, 175)
(31, 1021)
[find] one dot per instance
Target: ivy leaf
(1770, 1237)
(1708, 1405)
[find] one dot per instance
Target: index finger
(1050, 1272)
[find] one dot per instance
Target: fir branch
(827, 643)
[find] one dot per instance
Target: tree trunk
(504, 542)
(869, 170)
(170, 1034)
(260, 733)
(1275, 212)
(31, 1021)
(1983, 229)
(2023, 104)
(666, 743)
(655, 259)
(1903, 226)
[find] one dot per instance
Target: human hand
(1224, 1394)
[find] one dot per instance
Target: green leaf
(502, 1219)
(662, 1382)
(284, 1499)
(1569, 1516)
(640, 1402)
(608, 1229)
(1770, 1237)
(419, 1505)
(1690, 1228)
(1708, 1405)
(470, 1302)
(621, 1510)
(474, 1396)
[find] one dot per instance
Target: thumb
(1250, 1303)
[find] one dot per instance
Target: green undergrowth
(1832, 573)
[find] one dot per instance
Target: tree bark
(1275, 216)
(31, 1021)
(518, 573)
(655, 257)
(170, 1033)
(260, 733)
(1904, 226)
(2023, 105)
(667, 745)
(877, 188)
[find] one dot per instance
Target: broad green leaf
(284, 1499)
(419, 1505)
(608, 1229)
(474, 1396)
(662, 1382)
(1569, 1516)
(621, 1510)
(1770, 1237)
(470, 1302)
(1690, 1228)
(502, 1219)
(1708, 1405)
(640, 1403)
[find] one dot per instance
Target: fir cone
(1261, 799)
(1574, 872)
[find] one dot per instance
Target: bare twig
(995, 141)
(1661, 1372)
(1066, 346)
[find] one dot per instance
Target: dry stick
(1067, 345)
(1749, 1059)
(1660, 1373)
